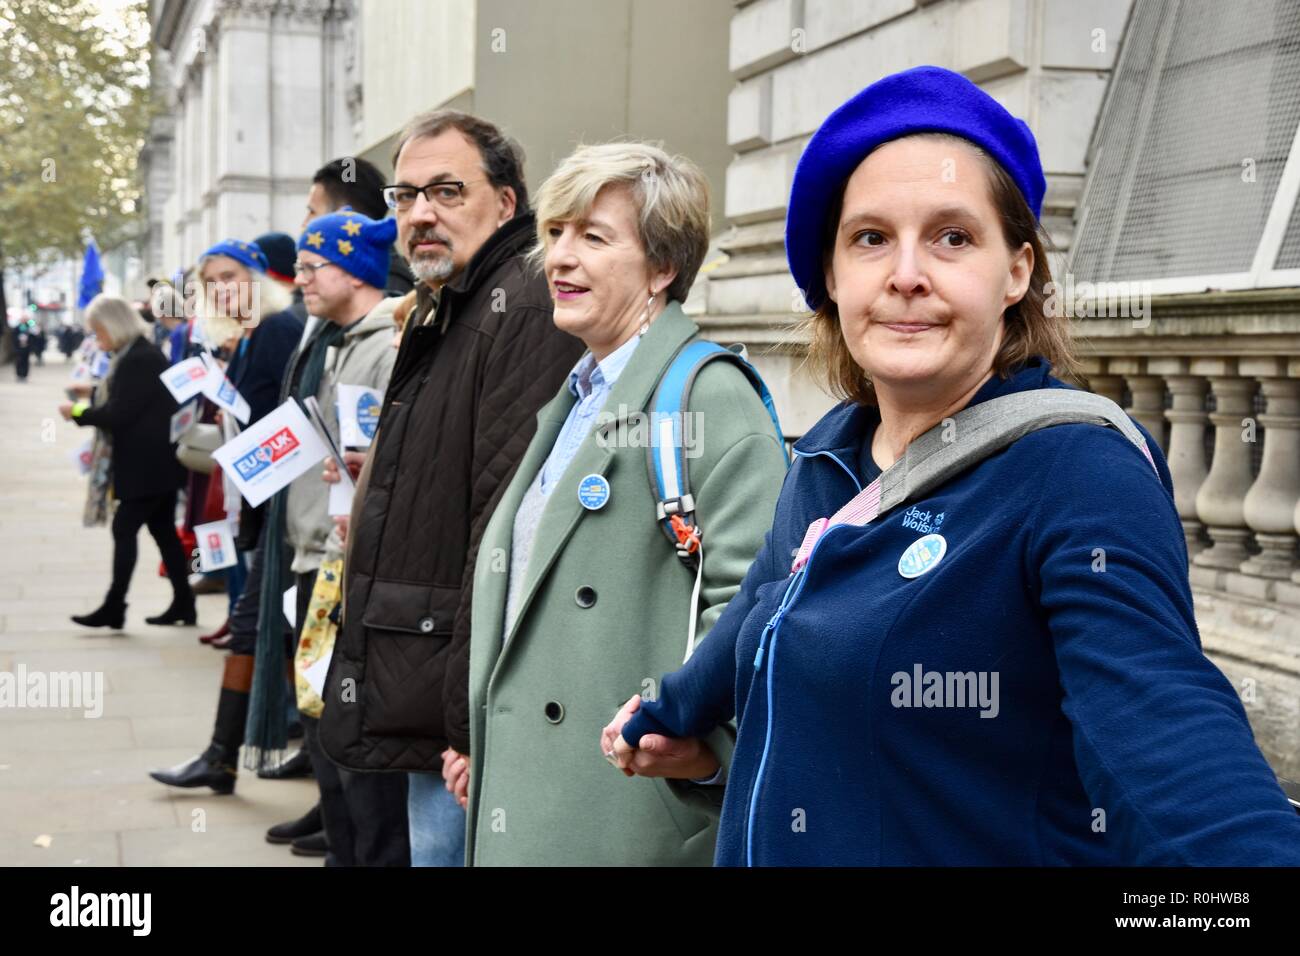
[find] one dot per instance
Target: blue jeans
(437, 822)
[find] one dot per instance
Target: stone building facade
(253, 92)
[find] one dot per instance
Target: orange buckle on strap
(688, 536)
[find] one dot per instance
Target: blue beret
(920, 100)
(356, 243)
(242, 252)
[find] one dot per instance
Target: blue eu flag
(92, 276)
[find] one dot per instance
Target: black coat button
(585, 596)
(554, 711)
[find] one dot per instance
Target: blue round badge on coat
(593, 492)
(368, 414)
(922, 555)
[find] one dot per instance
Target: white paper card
(271, 452)
(183, 420)
(216, 541)
(223, 392)
(341, 492)
(316, 674)
(358, 409)
(291, 606)
(185, 379)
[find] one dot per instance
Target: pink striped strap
(862, 509)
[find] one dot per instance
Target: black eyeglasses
(447, 193)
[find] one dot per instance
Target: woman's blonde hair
(670, 192)
(119, 319)
(1029, 330)
(267, 297)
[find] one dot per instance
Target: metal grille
(1200, 87)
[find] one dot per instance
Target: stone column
(1148, 391)
(1270, 504)
(1187, 420)
(1100, 380)
(1220, 501)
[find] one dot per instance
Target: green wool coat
(541, 793)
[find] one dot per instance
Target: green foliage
(74, 112)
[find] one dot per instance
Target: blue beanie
(279, 252)
(358, 244)
(242, 252)
(923, 99)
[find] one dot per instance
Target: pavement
(74, 789)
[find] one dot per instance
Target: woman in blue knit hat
(969, 638)
(243, 311)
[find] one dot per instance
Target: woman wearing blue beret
(969, 637)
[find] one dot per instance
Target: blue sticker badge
(368, 409)
(593, 492)
(922, 555)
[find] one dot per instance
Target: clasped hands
(686, 758)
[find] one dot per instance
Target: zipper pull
(775, 621)
(758, 658)
(762, 641)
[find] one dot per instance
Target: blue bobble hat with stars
(358, 244)
(244, 253)
(926, 99)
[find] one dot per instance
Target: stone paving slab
(83, 782)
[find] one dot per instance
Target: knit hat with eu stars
(356, 243)
(245, 253)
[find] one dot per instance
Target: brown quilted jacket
(458, 415)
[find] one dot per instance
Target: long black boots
(182, 609)
(217, 767)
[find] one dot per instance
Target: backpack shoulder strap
(966, 439)
(977, 432)
(667, 458)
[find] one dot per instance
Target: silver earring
(645, 316)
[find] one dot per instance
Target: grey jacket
(366, 358)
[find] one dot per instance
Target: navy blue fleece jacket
(1037, 695)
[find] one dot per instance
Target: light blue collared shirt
(591, 382)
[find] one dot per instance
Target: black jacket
(458, 415)
(137, 417)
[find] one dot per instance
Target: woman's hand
(455, 771)
(66, 411)
(686, 758)
(81, 388)
(341, 522)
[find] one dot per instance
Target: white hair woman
(245, 312)
(577, 588)
(954, 650)
(132, 409)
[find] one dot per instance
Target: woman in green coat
(577, 589)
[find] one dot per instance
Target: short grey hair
(119, 319)
(670, 192)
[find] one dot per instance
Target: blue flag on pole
(92, 276)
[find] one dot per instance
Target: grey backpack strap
(974, 433)
(966, 439)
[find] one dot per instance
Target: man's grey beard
(437, 269)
